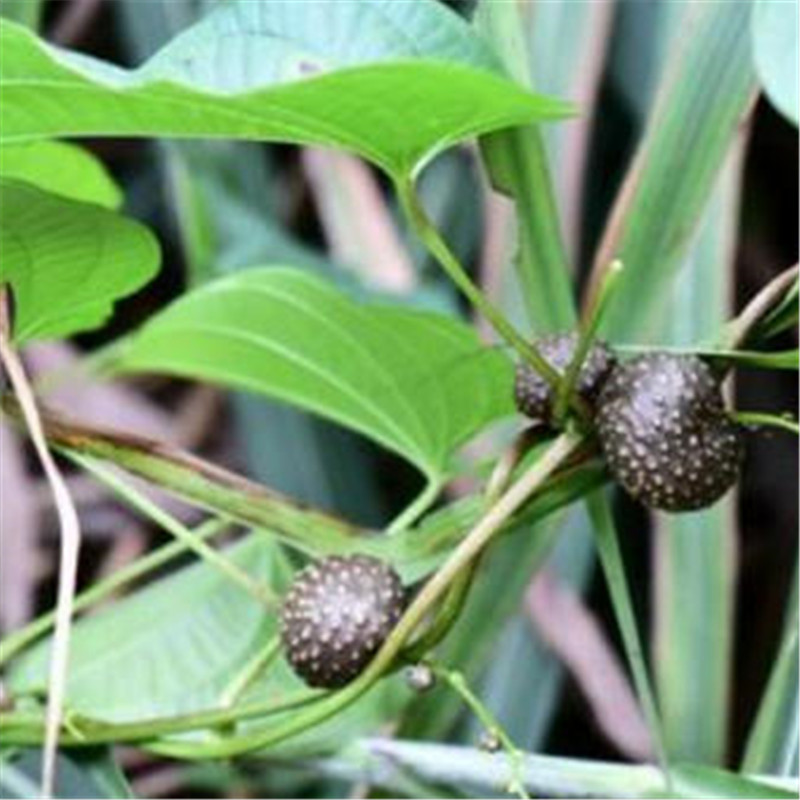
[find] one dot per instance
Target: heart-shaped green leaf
(394, 82)
(61, 168)
(66, 261)
(417, 382)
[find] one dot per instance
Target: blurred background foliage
(537, 636)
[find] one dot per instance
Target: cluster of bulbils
(660, 418)
(666, 437)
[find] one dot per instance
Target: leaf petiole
(433, 240)
(588, 327)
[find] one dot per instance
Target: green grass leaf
(63, 169)
(775, 34)
(418, 383)
(394, 82)
(473, 641)
(772, 745)
(67, 262)
(695, 553)
(781, 318)
(697, 115)
(556, 47)
(608, 550)
(414, 552)
(757, 359)
(386, 762)
(698, 780)
(517, 164)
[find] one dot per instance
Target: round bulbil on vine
(336, 615)
(665, 432)
(533, 395)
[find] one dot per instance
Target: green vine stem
(474, 543)
(22, 728)
(459, 685)
(446, 614)
(18, 640)
(760, 419)
(510, 459)
(614, 571)
(590, 321)
(416, 508)
(437, 246)
(25, 728)
(153, 512)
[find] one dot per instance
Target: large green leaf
(63, 169)
(66, 261)
(698, 110)
(169, 649)
(169, 657)
(775, 35)
(394, 82)
(416, 382)
(225, 201)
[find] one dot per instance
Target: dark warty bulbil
(337, 614)
(665, 432)
(532, 393)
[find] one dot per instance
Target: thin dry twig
(19, 531)
(757, 308)
(70, 547)
(74, 22)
